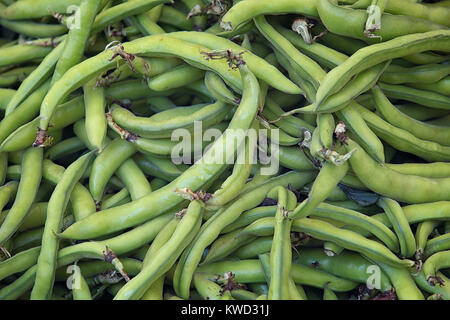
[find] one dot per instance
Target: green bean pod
(231, 187)
(401, 226)
(42, 288)
(307, 68)
(347, 265)
(377, 53)
(428, 73)
(94, 102)
(166, 255)
(361, 131)
(64, 148)
(250, 272)
(177, 77)
(193, 178)
(281, 253)
(80, 291)
(393, 26)
(106, 163)
(219, 89)
(442, 86)
(443, 291)
(19, 262)
(7, 193)
(77, 38)
(421, 130)
(327, 179)
(134, 179)
(403, 283)
(26, 192)
(327, 232)
(243, 12)
(211, 229)
(155, 291)
(387, 182)
(423, 231)
(35, 79)
(439, 243)
(433, 264)
(65, 115)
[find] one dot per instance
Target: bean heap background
(93, 206)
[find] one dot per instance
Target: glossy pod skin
(362, 132)
(64, 115)
(250, 271)
(224, 150)
(34, 219)
(81, 292)
(423, 97)
(103, 168)
(76, 38)
(156, 44)
(36, 78)
(423, 231)
(421, 74)
(439, 210)
(211, 230)
(19, 262)
(393, 26)
(421, 130)
(281, 253)
(94, 102)
(442, 86)
(403, 140)
(231, 187)
(433, 264)
(42, 288)
(20, 11)
(346, 265)
(328, 177)
(245, 11)
(415, 9)
(401, 226)
(184, 75)
(27, 189)
(372, 55)
(260, 67)
(308, 69)
(193, 178)
(162, 124)
(403, 283)
(155, 291)
(7, 193)
(219, 89)
(327, 232)
(442, 291)
(437, 244)
(167, 254)
(21, 53)
(361, 221)
(395, 185)
(65, 256)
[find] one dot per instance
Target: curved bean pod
(26, 192)
(166, 255)
(401, 226)
(193, 178)
(210, 230)
(243, 12)
(46, 264)
(377, 53)
(393, 184)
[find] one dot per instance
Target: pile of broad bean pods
(219, 149)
